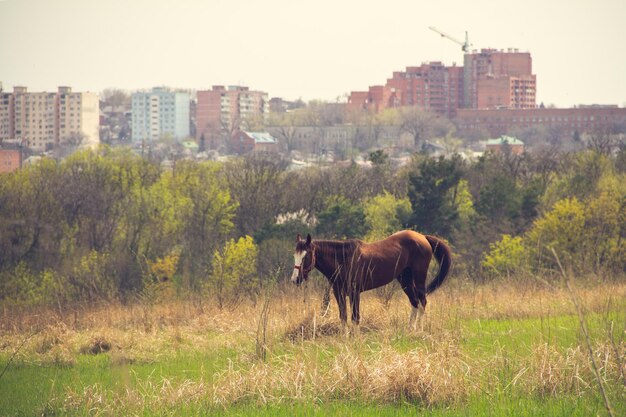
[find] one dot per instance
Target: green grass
(501, 352)
(27, 388)
(500, 406)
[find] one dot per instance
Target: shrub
(505, 256)
(234, 267)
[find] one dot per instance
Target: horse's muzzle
(299, 279)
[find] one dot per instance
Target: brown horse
(353, 266)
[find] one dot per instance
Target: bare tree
(604, 140)
(115, 98)
(422, 124)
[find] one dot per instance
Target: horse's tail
(443, 254)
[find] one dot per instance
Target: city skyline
(322, 50)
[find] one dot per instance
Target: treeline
(108, 224)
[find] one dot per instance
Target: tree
(422, 124)
(90, 197)
(206, 210)
(464, 201)
(202, 144)
(234, 267)
(605, 229)
(253, 122)
(434, 207)
(115, 98)
(284, 127)
(378, 157)
(31, 219)
(499, 199)
(256, 183)
(577, 176)
(385, 214)
(603, 140)
(507, 190)
(560, 229)
(341, 219)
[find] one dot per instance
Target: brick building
(432, 86)
(488, 79)
(223, 109)
(498, 79)
(10, 160)
(563, 122)
(243, 142)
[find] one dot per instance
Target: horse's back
(410, 239)
(407, 244)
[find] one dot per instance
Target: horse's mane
(326, 245)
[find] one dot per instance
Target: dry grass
(426, 378)
(385, 376)
(309, 357)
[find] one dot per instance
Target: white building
(158, 114)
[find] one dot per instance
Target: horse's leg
(340, 296)
(419, 282)
(326, 301)
(408, 286)
(355, 304)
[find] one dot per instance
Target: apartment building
(223, 110)
(495, 78)
(43, 120)
(488, 79)
(432, 86)
(6, 115)
(158, 114)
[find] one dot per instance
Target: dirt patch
(96, 346)
(309, 329)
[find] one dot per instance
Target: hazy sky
(310, 49)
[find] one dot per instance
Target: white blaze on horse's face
(298, 260)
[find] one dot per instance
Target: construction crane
(465, 46)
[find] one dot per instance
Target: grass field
(497, 349)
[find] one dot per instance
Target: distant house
(515, 145)
(243, 142)
(10, 160)
(433, 149)
(190, 145)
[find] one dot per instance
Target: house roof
(502, 140)
(190, 144)
(261, 137)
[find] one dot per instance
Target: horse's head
(304, 260)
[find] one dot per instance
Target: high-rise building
(499, 79)
(432, 86)
(43, 120)
(78, 116)
(158, 114)
(6, 116)
(489, 79)
(222, 110)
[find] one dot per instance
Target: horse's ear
(298, 238)
(308, 239)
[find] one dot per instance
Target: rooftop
(502, 140)
(261, 137)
